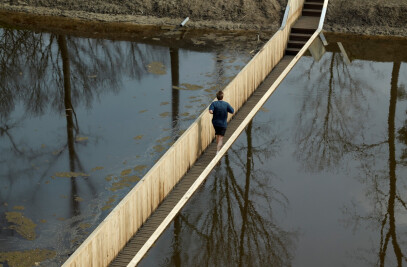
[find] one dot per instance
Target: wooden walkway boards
(307, 22)
(148, 228)
(301, 31)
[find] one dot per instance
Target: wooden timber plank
(307, 22)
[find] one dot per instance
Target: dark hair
(219, 95)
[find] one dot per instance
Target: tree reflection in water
(385, 189)
(32, 74)
(336, 129)
(231, 222)
(55, 92)
(326, 126)
(40, 72)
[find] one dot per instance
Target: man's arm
(211, 108)
(230, 109)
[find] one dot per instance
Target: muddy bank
(368, 17)
(249, 14)
(196, 39)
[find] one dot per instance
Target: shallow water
(318, 178)
(82, 120)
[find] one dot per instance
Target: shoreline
(364, 20)
(198, 39)
(139, 20)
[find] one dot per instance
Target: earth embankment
(225, 14)
(370, 17)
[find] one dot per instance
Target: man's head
(219, 95)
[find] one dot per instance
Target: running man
(220, 110)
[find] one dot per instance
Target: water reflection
(33, 66)
(174, 92)
(341, 133)
(385, 189)
(334, 170)
(262, 241)
(232, 223)
(331, 117)
(72, 129)
(81, 120)
(394, 197)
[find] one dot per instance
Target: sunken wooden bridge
(132, 227)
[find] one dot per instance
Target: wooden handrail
(286, 12)
(323, 13)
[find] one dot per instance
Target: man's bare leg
(219, 142)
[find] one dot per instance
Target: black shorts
(220, 130)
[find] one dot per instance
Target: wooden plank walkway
(142, 216)
(138, 240)
(305, 25)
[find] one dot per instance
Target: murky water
(82, 120)
(318, 178)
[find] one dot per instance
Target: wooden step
(302, 30)
(313, 5)
(296, 44)
(299, 37)
(292, 51)
(311, 12)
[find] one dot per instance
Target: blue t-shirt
(220, 110)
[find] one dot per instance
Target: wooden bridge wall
(105, 242)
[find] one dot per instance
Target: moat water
(318, 178)
(83, 119)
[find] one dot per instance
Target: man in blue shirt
(220, 110)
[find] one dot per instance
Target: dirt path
(371, 17)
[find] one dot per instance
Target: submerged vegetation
(22, 225)
(26, 258)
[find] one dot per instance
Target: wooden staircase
(313, 8)
(305, 26)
